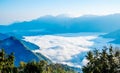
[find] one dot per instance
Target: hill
(3, 36)
(114, 35)
(21, 51)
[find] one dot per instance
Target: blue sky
(24, 10)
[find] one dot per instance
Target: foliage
(6, 62)
(105, 61)
(7, 66)
(43, 67)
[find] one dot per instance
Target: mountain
(63, 24)
(3, 36)
(18, 36)
(115, 35)
(30, 45)
(21, 52)
(116, 41)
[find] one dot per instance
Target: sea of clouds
(68, 49)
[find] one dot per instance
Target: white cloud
(65, 49)
(84, 61)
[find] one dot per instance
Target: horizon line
(58, 15)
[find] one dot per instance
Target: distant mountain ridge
(115, 35)
(63, 24)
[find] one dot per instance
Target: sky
(24, 10)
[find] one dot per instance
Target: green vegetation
(7, 66)
(105, 61)
(6, 62)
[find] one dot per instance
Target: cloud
(84, 61)
(67, 49)
(61, 49)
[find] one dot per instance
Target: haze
(25, 10)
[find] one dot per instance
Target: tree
(7, 62)
(7, 66)
(105, 61)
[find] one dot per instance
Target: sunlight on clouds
(61, 49)
(68, 49)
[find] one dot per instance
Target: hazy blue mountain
(42, 57)
(18, 36)
(3, 36)
(115, 35)
(63, 24)
(116, 41)
(30, 45)
(20, 50)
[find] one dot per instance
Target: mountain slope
(3, 36)
(115, 35)
(116, 41)
(29, 45)
(21, 52)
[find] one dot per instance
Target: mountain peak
(22, 53)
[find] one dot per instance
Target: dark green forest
(106, 60)
(7, 66)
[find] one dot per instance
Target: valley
(69, 48)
